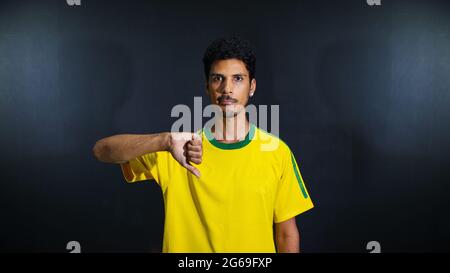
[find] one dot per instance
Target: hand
(186, 148)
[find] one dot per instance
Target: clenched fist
(186, 148)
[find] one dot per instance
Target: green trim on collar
(230, 146)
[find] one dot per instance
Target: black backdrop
(363, 93)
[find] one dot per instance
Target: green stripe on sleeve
(299, 178)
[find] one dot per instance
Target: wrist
(167, 141)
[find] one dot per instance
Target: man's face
(229, 85)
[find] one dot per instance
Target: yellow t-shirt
(244, 188)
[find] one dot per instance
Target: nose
(227, 87)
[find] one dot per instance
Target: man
(222, 191)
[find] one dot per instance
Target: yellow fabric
(233, 205)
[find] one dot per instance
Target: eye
(238, 78)
(216, 78)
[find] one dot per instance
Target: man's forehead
(229, 67)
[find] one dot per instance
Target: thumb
(193, 170)
(196, 139)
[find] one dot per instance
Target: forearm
(124, 147)
(288, 243)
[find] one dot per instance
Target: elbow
(99, 150)
(103, 152)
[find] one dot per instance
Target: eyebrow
(217, 74)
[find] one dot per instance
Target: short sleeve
(151, 166)
(292, 197)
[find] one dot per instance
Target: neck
(231, 129)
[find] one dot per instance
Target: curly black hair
(230, 48)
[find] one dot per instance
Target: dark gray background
(363, 93)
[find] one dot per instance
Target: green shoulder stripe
(299, 178)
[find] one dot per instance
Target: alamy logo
(73, 2)
(374, 246)
(257, 116)
(74, 246)
(374, 2)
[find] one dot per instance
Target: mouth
(226, 102)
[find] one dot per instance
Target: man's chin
(230, 111)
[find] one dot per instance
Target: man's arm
(118, 149)
(287, 237)
(122, 148)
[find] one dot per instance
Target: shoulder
(271, 143)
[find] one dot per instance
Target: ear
(206, 89)
(252, 87)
